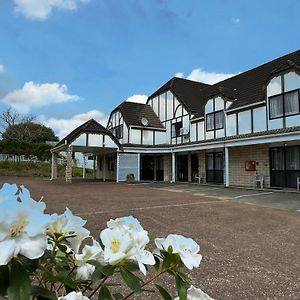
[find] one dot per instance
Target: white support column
(84, 166)
(139, 167)
(54, 166)
(173, 167)
(226, 167)
(104, 167)
(69, 166)
(118, 166)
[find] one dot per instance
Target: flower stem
(98, 286)
(150, 280)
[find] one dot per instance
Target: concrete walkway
(287, 200)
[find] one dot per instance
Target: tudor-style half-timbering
(174, 117)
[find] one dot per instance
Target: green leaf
(157, 263)
(182, 293)
(105, 294)
(131, 266)
(4, 280)
(29, 264)
(106, 270)
(118, 296)
(19, 283)
(181, 286)
(131, 280)
(40, 292)
(163, 292)
(168, 260)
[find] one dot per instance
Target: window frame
(176, 131)
(283, 104)
(214, 114)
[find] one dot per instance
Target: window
(176, 129)
(215, 120)
(118, 131)
(284, 105)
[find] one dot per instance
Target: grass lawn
(26, 169)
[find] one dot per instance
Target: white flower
(85, 270)
(186, 248)
(117, 245)
(196, 294)
(131, 230)
(129, 223)
(74, 296)
(70, 227)
(22, 226)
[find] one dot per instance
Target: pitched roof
(91, 126)
(187, 91)
(133, 113)
(250, 87)
(245, 88)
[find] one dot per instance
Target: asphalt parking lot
(287, 200)
(249, 251)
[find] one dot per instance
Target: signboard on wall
(250, 165)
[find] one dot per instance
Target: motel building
(243, 131)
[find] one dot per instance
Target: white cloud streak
(37, 95)
(205, 77)
(1, 68)
(137, 99)
(63, 127)
(40, 10)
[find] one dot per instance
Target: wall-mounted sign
(250, 165)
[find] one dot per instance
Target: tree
(10, 117)
(29, 132)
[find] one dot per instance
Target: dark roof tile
(134, 112)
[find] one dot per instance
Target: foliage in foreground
(54, 257)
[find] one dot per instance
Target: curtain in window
(278, 159)
(291, 103)
(276, 106)
(219, 120)
(210, 122)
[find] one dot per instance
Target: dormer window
(284, 105)
(215, 120)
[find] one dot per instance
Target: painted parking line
(250, 195)
(148, 207)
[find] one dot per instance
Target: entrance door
(182, 168)
(285, 166)
(214, 167)
(194, 167)
(147, 167)
(159, 162)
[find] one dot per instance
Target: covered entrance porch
(90, 140)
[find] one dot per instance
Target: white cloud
(63, 127)
(205, 77)
(236, 20)
(38, 95)
(137, 98)
(40, 10)
(1, 68)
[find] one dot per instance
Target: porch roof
(89, 127)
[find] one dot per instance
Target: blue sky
(65, 61)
